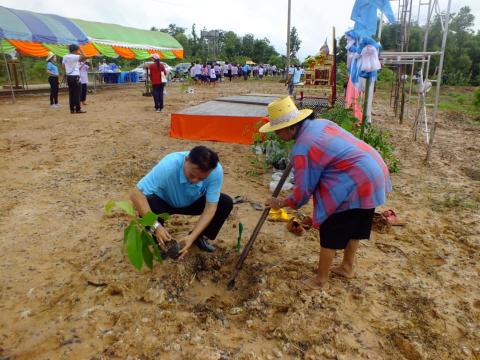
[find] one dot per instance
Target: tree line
(228, 46)
(462, 50)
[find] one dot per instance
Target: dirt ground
(68, 292)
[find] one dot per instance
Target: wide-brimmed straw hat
(155, 56)
(50, 55)
(283, 113)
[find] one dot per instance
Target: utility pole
(288, 36)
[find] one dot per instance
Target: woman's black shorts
(339, 228)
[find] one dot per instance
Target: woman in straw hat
(53, 75)
(346, 177)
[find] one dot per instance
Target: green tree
(173, 30)
(341, 55)
(248, 42)
(462, 50)
(294, 44)
(231, 46)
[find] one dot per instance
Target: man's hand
(186, 243)
(275, 203)
(162, 235)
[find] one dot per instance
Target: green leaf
(109, 206)
(156, 249)
(164, 216)
(148, 219)
(126, 231)
(134, 246)
(125, 206)
(147, 255)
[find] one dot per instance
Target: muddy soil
(68, 292)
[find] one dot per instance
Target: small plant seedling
(240, 230)
(137, 240)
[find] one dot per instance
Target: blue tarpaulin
(364, 13)
(42, 28)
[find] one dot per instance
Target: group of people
(76, 71)
(346, 177)
(76, 68)
(210, 73)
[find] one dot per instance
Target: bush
(385, 75)
(275, 150)
(476, 98)
(39, 71)
(342, 75)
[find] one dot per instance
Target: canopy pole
(24, 75)
(288, 36)
(438, 83)
(365, 106)
(8, 71)
(94, 77)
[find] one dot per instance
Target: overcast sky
(313, 19)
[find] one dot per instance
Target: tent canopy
(43, 28)
(34, 34)
(112, 34)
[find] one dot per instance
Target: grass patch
(459, 99)
(455, 201)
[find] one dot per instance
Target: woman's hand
(275, 203)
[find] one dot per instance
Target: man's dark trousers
(224, 207)
(74, 89)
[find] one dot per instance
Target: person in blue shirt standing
(188, 183)
(246, 71)
(294, 74)
(53, 75)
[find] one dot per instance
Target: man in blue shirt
(293, 78)
(187, 183)
(246, 71)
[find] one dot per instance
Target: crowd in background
(211, 73)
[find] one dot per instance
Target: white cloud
(313, 19)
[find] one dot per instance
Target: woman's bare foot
(344, 271)
(313, 283)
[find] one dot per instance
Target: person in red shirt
(158, 78)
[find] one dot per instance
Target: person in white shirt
(198, 72)
(260, 72)
(103, 67)
(84, 81)
(72, 71)
(217, 71)
(213, 76)
(274, 70)
(192, 70)
(234, 71)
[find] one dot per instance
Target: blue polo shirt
(53, 68)
(167, 180)
(296, 74)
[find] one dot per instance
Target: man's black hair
(72, 48)
(205, 158)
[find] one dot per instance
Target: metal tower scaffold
(415, 66)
